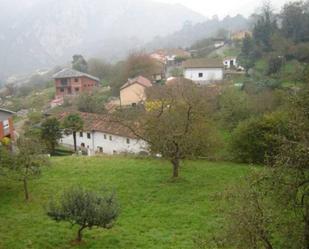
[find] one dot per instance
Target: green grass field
(156, 212)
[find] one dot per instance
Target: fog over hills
(36, 34)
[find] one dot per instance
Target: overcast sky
(225, 7)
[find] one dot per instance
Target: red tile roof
(138, 80)
(102, 123)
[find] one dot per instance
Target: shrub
(275, 62)
(86, 209)
(258, 139)
(233, 106)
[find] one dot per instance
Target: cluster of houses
(99, 134)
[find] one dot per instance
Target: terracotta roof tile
(203, 63)
(139, 80)
(102, 123)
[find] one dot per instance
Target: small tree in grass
(24, 162)
(86, 209)
(72, 124)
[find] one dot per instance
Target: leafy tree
(86, 209)
(295, 19)
(176, 123)
(118, 78)
(31, 127)
(79, 63)
(176, 72)
(306, 74)
(290, 169)
(140, 64)
(275, 63)
(299, 52)
(100, 69)
(280, 44)
(254, 218)
(50, 133)
(91, 102)
(258, 139)
(247, 55)
(72, 124)
(270, 209)
(25, 162)
(264, 28)
(233, 107)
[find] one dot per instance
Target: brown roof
(202, 63)
(138, 80)
(102, 123)
(178, 52)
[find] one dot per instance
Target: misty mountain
(36, 34)
(190, 33)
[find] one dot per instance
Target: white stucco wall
(116, 145)
(209, 74)
(227, 63)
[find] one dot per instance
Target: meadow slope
(156, 212)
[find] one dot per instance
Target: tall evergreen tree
(264, 28)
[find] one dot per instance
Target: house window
(88, 135)
(110, 138)
(76, 79)
(105, 137)
(64, 82)
(133, 104)
(200, 75)
(114, 152)
(128, 141)
(82, 145)
(62, 90)
(100, 149)
(81, 134)
(76, 89)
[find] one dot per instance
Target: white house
(203, 71)
(102, 136)
(230, 62)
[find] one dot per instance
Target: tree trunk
(175, 163)
(74, 138)
(79, 233)
(53, 149)
(26, 192)
(306, 228)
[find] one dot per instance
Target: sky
(223, 8)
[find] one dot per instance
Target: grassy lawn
(155, 211)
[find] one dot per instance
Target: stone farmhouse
(100, 135)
